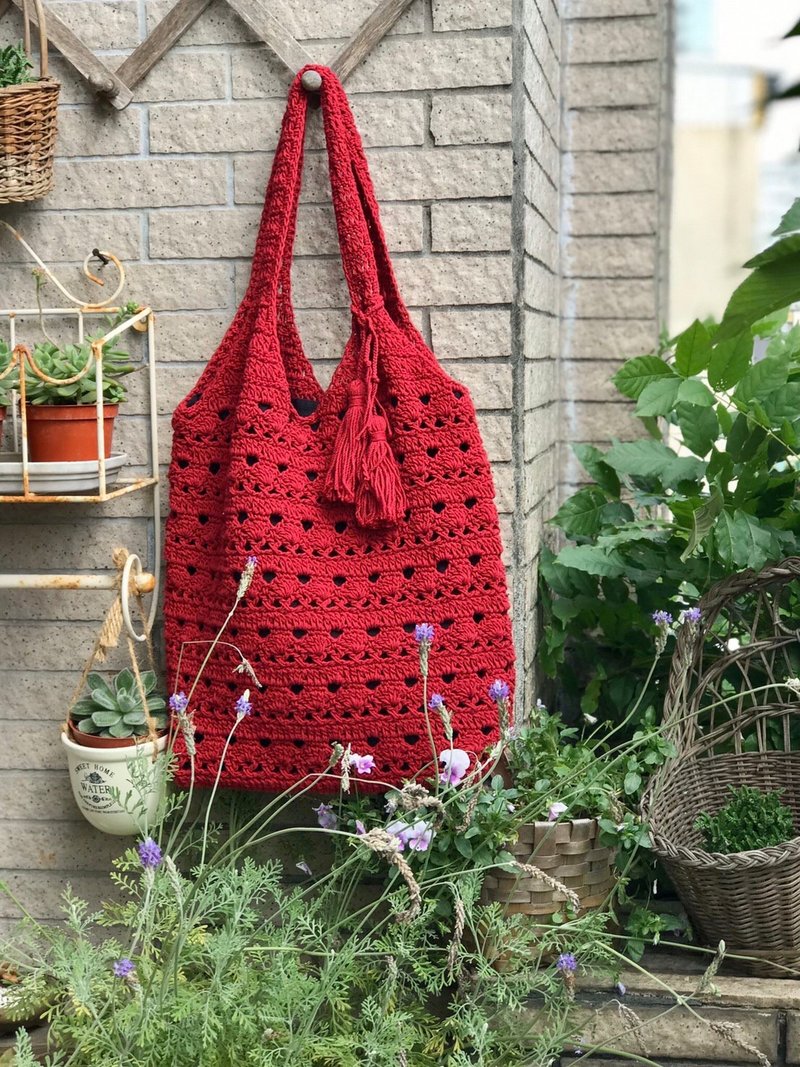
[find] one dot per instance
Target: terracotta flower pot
(67, 433)
(104, 786)
(94, 741)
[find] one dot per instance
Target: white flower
(556, 810)
(733, 644)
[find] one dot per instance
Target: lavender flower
(663, 621)
(436, 703)
(662, 618)
(456, 763)
(150, 854)
(243, 705)
(178, 703)
(567, 963)
(360, 828)
(691, 615)
(362, 764)
(499, 690)
(326, 816)
(423, 631)
(123, 968)
(556, 811)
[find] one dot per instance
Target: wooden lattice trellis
(117, 85)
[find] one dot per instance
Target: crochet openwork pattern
(369, 505)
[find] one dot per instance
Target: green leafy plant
(15, 66)
(68, 361)
(117, 709)
(661, 521)
(751, 819)
(11, 379)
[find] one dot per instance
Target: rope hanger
(117, 85)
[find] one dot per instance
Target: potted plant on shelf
(112, 738)
(61, 400)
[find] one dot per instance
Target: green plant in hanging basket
(116, 709)
(15, 66)
(750, 820)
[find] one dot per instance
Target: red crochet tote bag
(369, 506)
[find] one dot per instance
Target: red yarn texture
(369, 505)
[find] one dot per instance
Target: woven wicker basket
(567, 852)
(750, 900)
(28, 123)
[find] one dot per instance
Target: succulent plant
(10, 381)
(115, 709)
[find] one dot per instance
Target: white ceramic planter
(96, 773)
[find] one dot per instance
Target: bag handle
(43, 43)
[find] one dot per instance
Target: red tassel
(380, 499)
(348, 449)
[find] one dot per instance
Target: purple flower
(400, 830)
(499, 690)
(149, 854)
(243, 705)
(693, 615)
(662, 618)
(621, 988)
(567, 963)
(423, 631)
(360, 828)
(362, 764)
(252, 561)
(436, 703)
(326, 817)
(124, 967)
(178, 703)
(556, 811)
(419, 837)
(456, 763)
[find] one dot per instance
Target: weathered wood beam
(371, 31)
(169, 30)
(272, 33)
(100, 77)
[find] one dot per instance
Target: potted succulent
(8, 381)
(61, 415)
(116, 780)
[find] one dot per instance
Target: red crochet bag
(369, 506)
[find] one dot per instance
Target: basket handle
(43, 45)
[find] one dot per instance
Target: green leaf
(652, 459)
(632, 782)
(729, 360)
(102, 698)
(149, 681)
(763, 378)
(791, 220)
(580, 516)
(699, 428)
(592, 461)
(786, 247)
(658, 398)
(125, 680)
(774, 285)
(692, 350)
(593, 560)
(695, 392)
(742, 541)
(106, 718)
(88, 727)
(703, 519)
(120, 730)
(135, 718)
(636, 374)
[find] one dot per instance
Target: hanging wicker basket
(568, 852)
(749, 900)
(28, 123)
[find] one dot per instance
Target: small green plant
(116, 709)
(750, 820)
(64, 363)
(15, 66)
(11, 379)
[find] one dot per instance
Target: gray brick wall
(482, 119)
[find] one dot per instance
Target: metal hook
(131, 562)
(99, 255)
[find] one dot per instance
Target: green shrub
(15, 66)
(751, 819)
